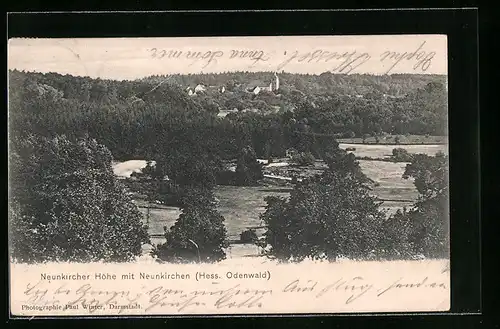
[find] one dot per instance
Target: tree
(344, 163)
(198, 234)
(327, 216)
(431, 212)
(395, 242)
(248, 169)
(426, 224)
(190, 166)
(66, 204)
(430, 174)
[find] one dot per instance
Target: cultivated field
(392, 140)
(240, 206)
(384, 151)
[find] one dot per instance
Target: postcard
(228, 175)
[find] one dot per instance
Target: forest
(143, 118)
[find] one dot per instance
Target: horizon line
(224, 72)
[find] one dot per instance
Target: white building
(200, 88)
(273, 86)
(256, 90)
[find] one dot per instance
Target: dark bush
(401, 155)
(226, 177)
(349, 134)
(248, 236)
(303, 159)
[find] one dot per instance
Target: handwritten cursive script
(209, 57)
(347, 61)
(90, 297)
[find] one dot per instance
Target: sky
(132, 58)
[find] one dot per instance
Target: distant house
(200, 88)
(255, 88)
(196, 90)
(223, 113)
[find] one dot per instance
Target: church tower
(277, 83)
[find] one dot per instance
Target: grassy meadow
(242, 205)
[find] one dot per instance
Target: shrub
(349, 134)
(303, 159)
(66, 204)
(401, 155)
(226, 177)
(248, 236)
(199, 234)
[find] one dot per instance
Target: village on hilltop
(251, 87)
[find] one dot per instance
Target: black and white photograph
(237, 155)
